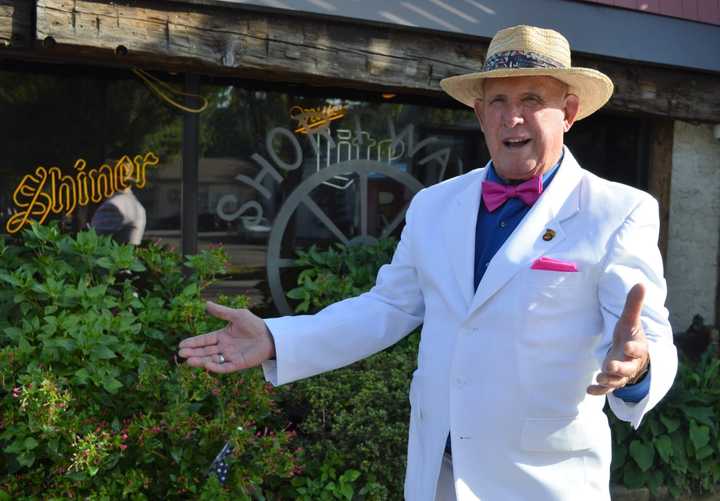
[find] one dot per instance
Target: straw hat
(529, 51)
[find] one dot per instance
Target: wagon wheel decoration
(302, 196)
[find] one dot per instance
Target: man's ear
(478, 107)
(572, 105)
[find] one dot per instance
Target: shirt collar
(546, 178)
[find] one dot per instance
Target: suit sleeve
(633, 257)
(355, 328)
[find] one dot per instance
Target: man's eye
(531, 99)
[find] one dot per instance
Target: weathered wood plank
(660, 172)
(16, 23)
(335, 52)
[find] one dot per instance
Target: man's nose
(512, 117)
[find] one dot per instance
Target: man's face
(524, 120)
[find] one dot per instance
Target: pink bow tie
(495, 194)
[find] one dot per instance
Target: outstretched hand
(628, 357)
(243, 343)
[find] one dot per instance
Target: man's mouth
(515, 143)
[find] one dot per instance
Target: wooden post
(660, 172)
(190, 172)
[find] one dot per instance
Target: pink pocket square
(550, 264)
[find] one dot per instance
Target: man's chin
(516, 170)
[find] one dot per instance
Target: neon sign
(49, 191)
(314, 119)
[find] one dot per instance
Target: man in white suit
(539, 287)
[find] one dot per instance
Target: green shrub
(678, 443)
(93, 402)
(354, 418)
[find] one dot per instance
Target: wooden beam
(16, 23)
(255, 44)
(660, 172)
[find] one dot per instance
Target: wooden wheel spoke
(324, 219)
(395, 222)
(363, 203)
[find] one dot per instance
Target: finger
(205, 360)
(633, 305)
(208, 339)
(610, 381)
(223, 368)
(596, 389)
(622, 369)
(220, 311)
(199, 352)
(636, 349)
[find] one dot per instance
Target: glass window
(74, 137)
(281, 171)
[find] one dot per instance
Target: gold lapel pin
(549, 235)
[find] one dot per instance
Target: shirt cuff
(635, 392)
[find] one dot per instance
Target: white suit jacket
(504, 368)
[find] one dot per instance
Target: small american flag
(219, 467)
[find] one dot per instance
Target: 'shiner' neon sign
(49, 191)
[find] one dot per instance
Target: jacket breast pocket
(546, 279)
(559, 434)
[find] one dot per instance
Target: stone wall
(694, 229)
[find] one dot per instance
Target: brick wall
(694, 234)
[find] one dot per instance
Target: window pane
(70, 131)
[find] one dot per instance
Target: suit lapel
(459, 228)
(558, 203)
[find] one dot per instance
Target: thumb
(220, 311)
(633, 307)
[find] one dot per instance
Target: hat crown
(543, 43)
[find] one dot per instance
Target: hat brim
(592, 87)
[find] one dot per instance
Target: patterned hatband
(519, 59)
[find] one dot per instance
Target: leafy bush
(93, 403)
(355, 418)
(678, 444)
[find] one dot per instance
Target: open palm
(243, 343)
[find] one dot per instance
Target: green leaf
(655, 426)
(26, 459)
(346, 491)
(102, 352)
(176, 454)
(704, 453)
(82, 376)
(137, 267)
(663, 445)
(643, 454)
(30, 443)
(15, 447)
(111, 384)
(655, 481)
(104, 262)
(633, 478)
(13, 333)
(703, 415)
(699, 435)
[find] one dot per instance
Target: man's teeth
(515, 142)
